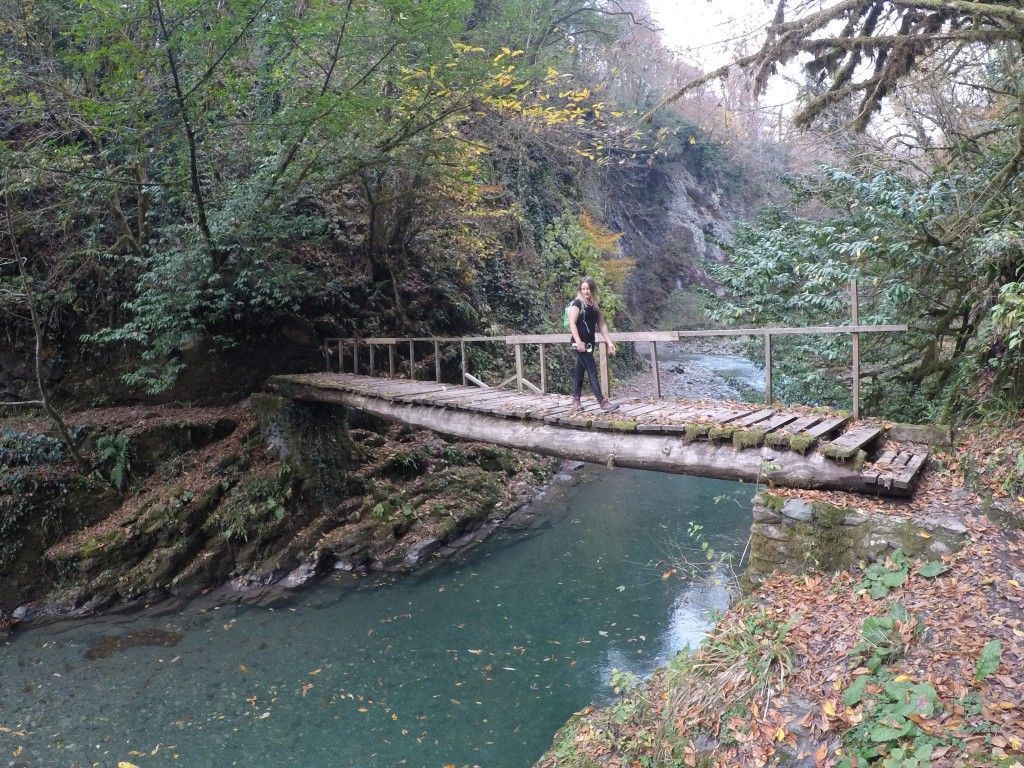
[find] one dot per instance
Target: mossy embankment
(879, 633)
(260, 495)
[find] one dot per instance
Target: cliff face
(673, 215)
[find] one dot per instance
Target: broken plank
(847, 444)
(907, 477)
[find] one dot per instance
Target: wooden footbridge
(795, 447)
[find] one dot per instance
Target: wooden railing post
(543, 369)
(437, 361)
(606, 384)
(412, 360)
(855, 316)
(355, 357)
(391, 360)
(462, 353)
(654, 367)
(371, 360)
(768, 397)
(519, 367)
(341, 356)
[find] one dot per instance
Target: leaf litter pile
(834, 670)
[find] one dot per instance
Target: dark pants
(585, 362)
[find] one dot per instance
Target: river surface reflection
(476, 661)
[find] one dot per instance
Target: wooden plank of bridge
(580, 417)
(847, 444)
(780, 419)
(558, 409)
(398, 393)
(910, 472)
(780, 437)
(487, 404)
(724, 430)
(894, 469)
(670, 421)
(826, 427)
(644, 409)
(663, 411)
(515, 407)
(729, 416)
(878, 468)
(758, 416)
(677, 419)
(629, 410)
(451, 395)
(487, 398)
(370, 383)
(527, 407)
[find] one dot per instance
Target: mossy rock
(313, 439)
(156, 570)
(405, 465)
(858, 459)
(720, 433)
(778, 439)
(153, 445)
(839, 453)
(259, 500)
(97, 545)
(822, 543)
(495, 459)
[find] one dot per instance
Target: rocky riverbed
(699, 370)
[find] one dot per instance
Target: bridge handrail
(653, 337)
(558, 338)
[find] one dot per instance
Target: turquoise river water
(472, 662)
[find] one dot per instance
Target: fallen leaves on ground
(976, 603)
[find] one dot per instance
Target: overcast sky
(707, 32)
(710, 33)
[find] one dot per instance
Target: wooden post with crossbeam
(855, 337)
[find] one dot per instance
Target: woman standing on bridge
(586, 318)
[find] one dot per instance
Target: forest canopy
(180, 172)
(925, 210)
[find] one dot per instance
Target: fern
(113, 458)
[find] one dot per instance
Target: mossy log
(662, 453)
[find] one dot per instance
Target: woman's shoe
(576, 404)
(608, 405)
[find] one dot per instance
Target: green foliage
(20, 449)
(572, 249)
(887, 230)
(881, 578)
(893, 707)
(624, 685)
(883, 638)
(114, 458)
(406, 464)
(622, 682)
(932, 569)
(186, 178)
(988, 660)
(180, 299)
(889, 738)
(893, 731)
(257, 505)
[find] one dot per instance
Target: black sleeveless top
(586, 321)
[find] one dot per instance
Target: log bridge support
(720, 441)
